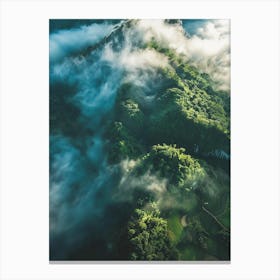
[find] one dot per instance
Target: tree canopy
(148, 236)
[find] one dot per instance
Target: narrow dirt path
(215, 218)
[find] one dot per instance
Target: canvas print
(139, 140)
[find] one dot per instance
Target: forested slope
(139, 149)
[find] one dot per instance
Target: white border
(255, 138)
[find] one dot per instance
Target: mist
(84, 83)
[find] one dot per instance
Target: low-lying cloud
(80, 176)
(66, 42)
(208, 48)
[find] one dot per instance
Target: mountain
(139, 140)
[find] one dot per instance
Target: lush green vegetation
(148, 237)
(139, 150)
(123, 145)
(173, 137)
(172, 163)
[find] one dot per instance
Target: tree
(173, 163)
(148, 236)
(123, 145)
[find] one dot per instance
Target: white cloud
(128, 183)
(209, 49)
(171, 36)
(129, 59)
(65, 42)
